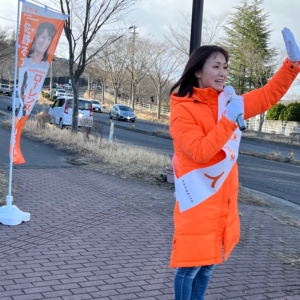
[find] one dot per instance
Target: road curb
(270, 142)
(274, 198)
(152, 133)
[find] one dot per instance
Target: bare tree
(143, 61)
(115, 58)
(165, 69)
(86, 20)
(145, 91)
(7, 63)
(90, 72)
(97, 73)
(178, 37)
(6, 47)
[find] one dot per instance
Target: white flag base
(11, 214)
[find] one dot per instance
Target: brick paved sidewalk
(95, 236)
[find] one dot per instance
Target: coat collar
(208, 95)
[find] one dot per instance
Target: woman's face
(43, 42)
(214, 73)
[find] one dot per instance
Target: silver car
(5, 89)
(122, 112)
(97, 106)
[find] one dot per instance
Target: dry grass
(250, 198)
(292, 223)
(43, 119)
(98, 95)
(116, 158)
(108, 104)
(151, 116)
(44, 101)
(290, 260)
(162, 132)
(4, 187)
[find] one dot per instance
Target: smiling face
(214, 73)
(43, 42)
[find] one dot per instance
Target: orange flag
(40, 31)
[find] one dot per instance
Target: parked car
(61, 109)
(98, 87)
(54, 85)
(10, 100)
(5, 89)
(68, 86)
(60, 93)
(97, 106)
(122, 112)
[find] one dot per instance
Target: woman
(206, 139)
(38, 53)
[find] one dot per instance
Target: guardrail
(138, 106)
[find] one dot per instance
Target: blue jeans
(191, 283)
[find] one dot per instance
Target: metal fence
(276, 127)
(139, 106)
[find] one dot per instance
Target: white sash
(199, 184)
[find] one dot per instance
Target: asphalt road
(246, 144)
(277, 179)
(37, 154)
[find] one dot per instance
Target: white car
(17, 101)
(68, 86)
(97, 106)
(60, 92)
(62, 109)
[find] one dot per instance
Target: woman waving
(206, 141)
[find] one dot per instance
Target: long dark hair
(196, 62)
(51, 30)
(23, 87)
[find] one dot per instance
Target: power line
(8, 19)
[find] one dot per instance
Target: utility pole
(132, 89)
(197, 17)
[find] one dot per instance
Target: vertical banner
(40, 30)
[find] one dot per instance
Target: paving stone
(96, 236)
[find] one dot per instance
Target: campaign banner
(40, 31)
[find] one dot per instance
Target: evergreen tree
(275, 111)
(247, 42)
(291, 113)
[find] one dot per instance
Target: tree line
(142, 67)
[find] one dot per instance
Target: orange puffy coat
(198, 137)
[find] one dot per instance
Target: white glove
(234, 104)
(290, 44)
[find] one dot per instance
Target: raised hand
(292, 48)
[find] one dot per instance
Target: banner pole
(11, 214)
(13, 110)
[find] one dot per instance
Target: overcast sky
(156, 16)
